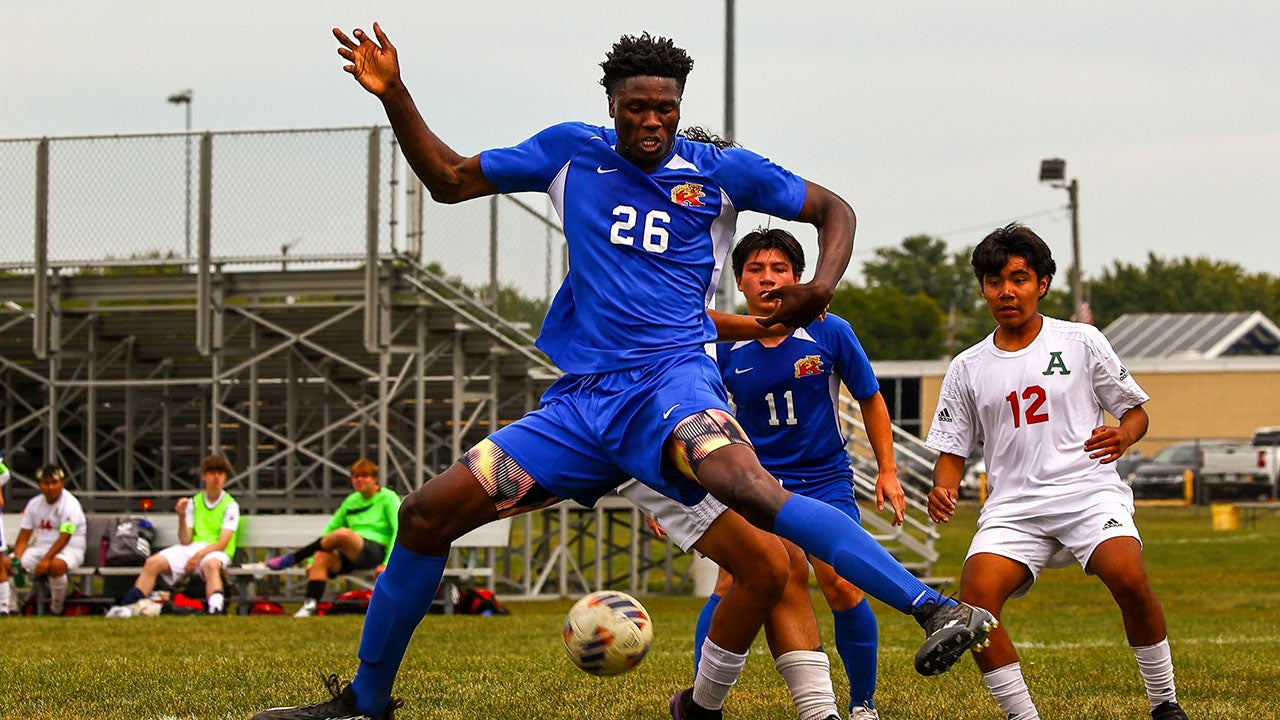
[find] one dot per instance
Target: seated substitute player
(51, 540)
(785, 394)
(639, 398)
(207, 526)
(1033, 392)
(358, 536)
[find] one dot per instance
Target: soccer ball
(607, 633)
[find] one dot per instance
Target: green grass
(1219, 591)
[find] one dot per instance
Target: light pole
(184, 98)
(724, 293)
(1054, 172)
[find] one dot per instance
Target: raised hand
(374, 64)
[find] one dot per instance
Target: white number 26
(655, 235)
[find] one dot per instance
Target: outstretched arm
(731, 327)
(449, 176)
(802, 303)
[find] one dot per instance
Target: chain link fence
(271, 198)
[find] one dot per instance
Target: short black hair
(768, 239)
(993, 253)
(644, 56)
(53, 472)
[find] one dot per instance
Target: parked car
(1165, 475)
(1244, 470)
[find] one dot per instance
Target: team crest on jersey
(808, 365)
(688, 195)
(1056, 364)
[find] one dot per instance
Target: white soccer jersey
(47, 521)
(1033, 410)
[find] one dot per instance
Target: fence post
(371, 306)
(40, 291)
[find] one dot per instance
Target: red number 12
(1036, 395)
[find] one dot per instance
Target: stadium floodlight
(1054, 172)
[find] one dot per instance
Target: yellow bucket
(1226, 516)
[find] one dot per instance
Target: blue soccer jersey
(786, 397)
(645, 249)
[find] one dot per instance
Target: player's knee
(766, 574)
(155, 564)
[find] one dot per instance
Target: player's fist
(181, 507)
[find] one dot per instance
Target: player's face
(51, 489)
(646, 113)
(364, 483)
(1013, 294)
(763, 271)
(213, 482)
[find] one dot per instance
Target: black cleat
(1168, 710)
(341, 706)
(951, 630)
(684, 708)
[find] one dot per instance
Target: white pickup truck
(1243, 470)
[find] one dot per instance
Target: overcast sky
(929, 117)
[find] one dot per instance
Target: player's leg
(487, 483)
(723, 581)
(324, 565)
(340, 540)
(796, 646)
(731, 472)
(154, 567)
(57, 575)
(760, 565)
(211, 572)
(988, 581)
(1118, 563)
(857, 637)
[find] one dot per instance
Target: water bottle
(19, 576)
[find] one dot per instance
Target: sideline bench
(1249, 511)
(260, 537)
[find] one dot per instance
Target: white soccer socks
(808, 677)
(1155, 662)
(717, 672)
(1010, 691)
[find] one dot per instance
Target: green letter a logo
(1055, 362)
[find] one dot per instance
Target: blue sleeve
(850, 359)
(534, 163)
(755, 183)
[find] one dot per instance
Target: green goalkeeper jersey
(376, 518)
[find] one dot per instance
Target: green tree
(891, 324)
(1169, 285)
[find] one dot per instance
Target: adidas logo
(944, 415)
(1124, 373)
(1112, 523)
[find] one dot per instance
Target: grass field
(1220, 590)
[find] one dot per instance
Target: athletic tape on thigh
(698, 435)
(512, 488)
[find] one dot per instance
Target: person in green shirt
(358, 537)
(208, 523)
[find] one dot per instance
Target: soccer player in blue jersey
(785, 395)
(639, 398)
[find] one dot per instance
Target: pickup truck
(1165, 475)
(1244, 471)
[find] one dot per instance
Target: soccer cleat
(951, 629)
(281, 562)
(863, 712)
(1168, 710)
(684, 708)
(342, 706)
(308, 609)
